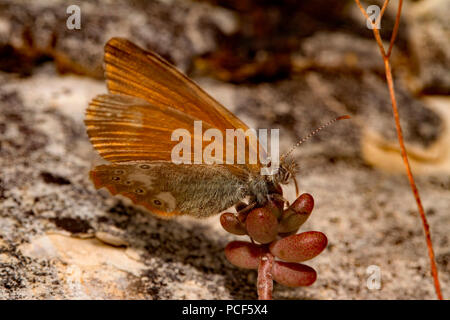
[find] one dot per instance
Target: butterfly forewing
(139, 73)
(133, 71)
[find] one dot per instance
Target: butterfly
(131, 128)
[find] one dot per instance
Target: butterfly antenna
(313, 133)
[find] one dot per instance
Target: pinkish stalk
(265, 279)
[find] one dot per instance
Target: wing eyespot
(157, 202)
(144, 166)
(139, 191)
(115, 178)
(119, 171)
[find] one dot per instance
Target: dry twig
(404, 154)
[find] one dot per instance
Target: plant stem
(265, 280)
(412, 183)
(404, 154)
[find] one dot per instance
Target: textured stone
(50, 213)
(429, 28)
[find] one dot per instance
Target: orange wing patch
(123, 128)
(136, 72)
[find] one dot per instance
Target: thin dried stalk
(404, 154)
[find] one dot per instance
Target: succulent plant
(276, 249)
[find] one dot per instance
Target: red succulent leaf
(275, 206)
(231, 223)
(262, 225)
(296, 214)
(293, 274)
(304, 203)
(244, 254)
(299, 247)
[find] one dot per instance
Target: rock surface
(62, 239)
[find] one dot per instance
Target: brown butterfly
(131, 128)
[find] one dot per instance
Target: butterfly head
(286, 172)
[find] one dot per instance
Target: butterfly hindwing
(168, 190)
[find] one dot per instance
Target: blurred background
(285, 64)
